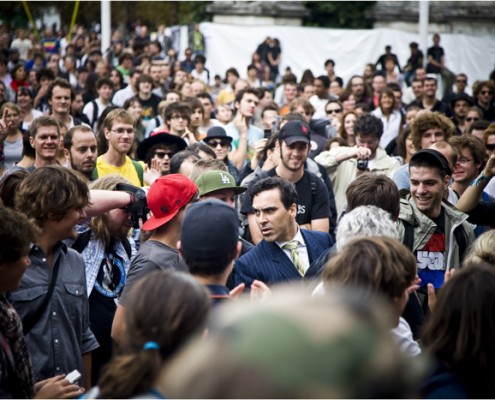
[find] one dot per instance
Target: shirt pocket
(74, 300)
(27, 300)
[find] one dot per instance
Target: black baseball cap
(294, 131)
(435, 158)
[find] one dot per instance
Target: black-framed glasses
(161, 154)
(216, 143)
(121, 131)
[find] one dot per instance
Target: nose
(27, 261)
(82, 214)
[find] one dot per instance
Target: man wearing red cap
(167, 199)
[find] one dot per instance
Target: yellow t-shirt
(128, 171)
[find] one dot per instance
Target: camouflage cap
(293, 346)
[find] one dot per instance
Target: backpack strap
(94, 174)
(82, 241)
(95, 113)
(408, 239)
(30, 321)
(127, 247)
(460, 237)
(139, 170)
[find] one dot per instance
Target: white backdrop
(302, 47)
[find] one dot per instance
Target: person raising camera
(343, 164)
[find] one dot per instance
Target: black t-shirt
(313, 198)
(436, 53)
(150, 107)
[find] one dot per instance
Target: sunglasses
(472, 119)
(490, 146)
(486, 92)
(161, 154)
(215, 143)
(334, 111)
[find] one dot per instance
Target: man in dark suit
(286, 251)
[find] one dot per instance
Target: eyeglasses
(486, 92)
(463, 161)
(490, 146)
(121, 131)
(469, 119)
(216, 143)
(161, 154)
(334, 111)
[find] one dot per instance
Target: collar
(298, 236)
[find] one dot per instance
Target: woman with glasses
(217, 139)
(333, 111)
(483, 94)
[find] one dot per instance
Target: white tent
(302, 47)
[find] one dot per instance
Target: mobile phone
(74, 376)
(267, 133)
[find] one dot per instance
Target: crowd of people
(170, 234)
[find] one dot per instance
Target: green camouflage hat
(211, 181)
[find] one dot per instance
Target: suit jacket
(268, 263)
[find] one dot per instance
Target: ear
(238, 250)
(446, 182)
(293, 210)
(31, 141)
(179, 247)
(67, 154)
(106, 132)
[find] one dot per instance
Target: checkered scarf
(11, 329)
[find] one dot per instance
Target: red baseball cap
(166, 197)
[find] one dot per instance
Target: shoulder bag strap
(34, 317)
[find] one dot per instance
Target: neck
(168, 234)
(292, 176)
(43, 162)
(220, 279)
(103, 101)
(427, 100)
(114, 158)
(144, 96)
(47, 242)
(459, 187)
(63, 118)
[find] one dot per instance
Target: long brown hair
(459, 333)
(165, 308)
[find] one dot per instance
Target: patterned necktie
(294, 255)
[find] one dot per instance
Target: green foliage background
(335, 14)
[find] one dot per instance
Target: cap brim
(207, 138)
(294, 139)
(153, 223)
(159, 138)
